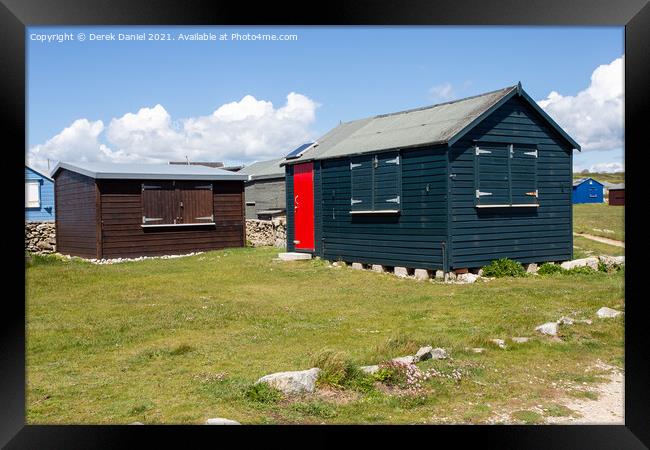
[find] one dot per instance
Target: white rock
(592, 262)
(400, 272)
(339, 264)
(585, 321)
(369, 369)
(451, 276)
(467, 278)
(607, 313)
(405, 359)
(357, 266)
(423, 353)
(564, 320)
(293, 256)
(221, 421)
(499, 342)
(532, 268)
(440, 274)
(612, 261)
(377, 268)
(421, 274)
(548, 328)
(439, 353)
(478, 350)
(294, 382)
(520, 340)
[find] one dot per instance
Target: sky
(237, 99)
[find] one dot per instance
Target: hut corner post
(98, 219)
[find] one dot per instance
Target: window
(505, 175)
(177, 203)
(376, 183)
(32, 194)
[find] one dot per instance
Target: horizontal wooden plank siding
(123, 236)
(76, 214)
(267, 194)
(412, 238)
(526, 234)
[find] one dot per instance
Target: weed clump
(549, 269)
(339, 371)
(504, 267)
(262, 393)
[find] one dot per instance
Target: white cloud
(242, 131)
(441, 92)
(607, 167)
(593, 117)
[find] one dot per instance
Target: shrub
(336, 368)
(262, 393)
(583, 270)
(549, 269)
(504, 267)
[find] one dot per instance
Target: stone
(369, 369)
(612, 261)
(520, 340)
(295, 382)
(357, 266)
(607, 313)
(585, 321)
(401, 272)
(532, 268)
(293, 256)
(221, 421)
(548, 328)
(451, 276)
(499, 343)
(421, 274)
(339, 264)
(439, 353)
(592, 262)
(478, 350)
(564, 320)
(440, 274)
(378, 268)
(480, 272)
(467, 278)
(405, 360)
(423, 353)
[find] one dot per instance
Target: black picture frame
(15, 15)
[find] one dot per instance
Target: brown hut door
(194, 202)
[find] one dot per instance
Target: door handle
(295, 203)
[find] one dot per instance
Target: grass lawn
(600, 220)
(583, 248)
(182, 340)
(609, 177)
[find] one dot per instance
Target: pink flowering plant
(408, 376)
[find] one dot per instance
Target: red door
(303, 206)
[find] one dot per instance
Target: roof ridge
(421, 108)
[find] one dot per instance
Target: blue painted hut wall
(525, 234)
(412, 238)
(589, 191)
(45, 213)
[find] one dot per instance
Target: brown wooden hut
(130, 210)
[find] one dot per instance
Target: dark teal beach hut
(449, 186)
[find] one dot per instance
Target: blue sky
(339, 74)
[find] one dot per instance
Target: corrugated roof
(148, 171)
(264, 169)
(428, 125)
(436, 124)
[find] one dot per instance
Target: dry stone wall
(40, 237)
(267, 232)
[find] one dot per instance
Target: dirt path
(607, 409)
(604, 240)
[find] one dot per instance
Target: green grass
(183, 340)
(609, 177)
(599, 220)
(583, 247)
